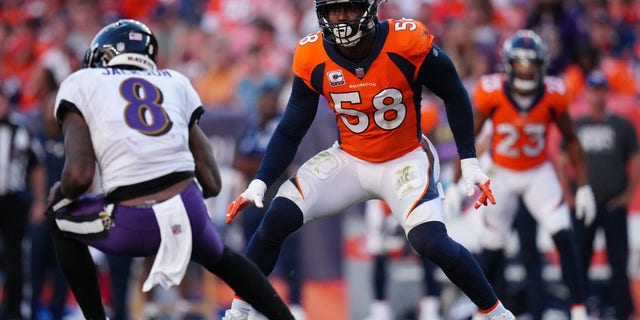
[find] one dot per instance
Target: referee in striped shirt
(22, 192)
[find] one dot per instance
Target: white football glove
(585, 204)
(254, 194)
(473, 176)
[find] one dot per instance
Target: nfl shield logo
(176, 229)
(360, 73)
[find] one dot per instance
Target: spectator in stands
(274, 56)
(18, 64)
(217, 85)
(558, 29)
(607, 38)
(481, 17)
(253, 79)
(586, 59)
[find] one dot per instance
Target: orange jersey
(377, 101)
(519, 139)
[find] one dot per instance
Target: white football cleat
(233, 314)
(579, 312)
(298, 312)
(507, 315)
(256, 315)
(429, 309)
(380, 310)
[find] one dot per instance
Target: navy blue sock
(572, 272)
(431, 285)
(492, 263)
(78, 268)
(281, 219)
(380, 276)
(430, 239)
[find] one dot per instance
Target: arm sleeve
(298, 116)
(439, 75)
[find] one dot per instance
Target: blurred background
(238, 53)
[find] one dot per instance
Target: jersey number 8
(144, 111)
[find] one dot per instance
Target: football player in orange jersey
(371, 72)
(522, 105)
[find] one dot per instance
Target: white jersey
(138, 119)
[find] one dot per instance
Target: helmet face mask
(125, 43)
(347, 33)
(525, 60)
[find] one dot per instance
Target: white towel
(174, 253)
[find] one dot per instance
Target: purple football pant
(136, 232)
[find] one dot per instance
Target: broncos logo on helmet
(526, 47)
(125, 43)
(347, 33)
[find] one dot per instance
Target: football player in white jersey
(140, 125)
